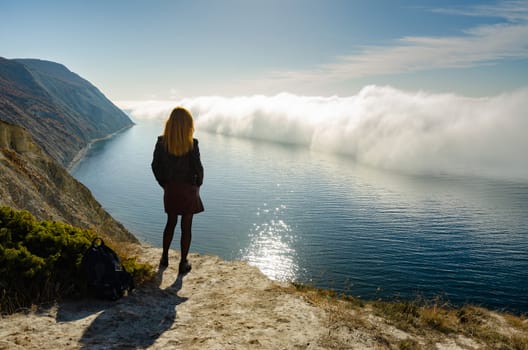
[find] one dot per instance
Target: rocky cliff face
(33, 181)
(61, 110)
(47, 115)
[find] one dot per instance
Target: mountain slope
(47, 115)
(33, 181)
(62, 111)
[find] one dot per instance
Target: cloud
(414, 132)
(512, 11)
(475, 46)
(147, 110)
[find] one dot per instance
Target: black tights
(186, 234)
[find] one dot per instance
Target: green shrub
(141, 272)
(40, 260)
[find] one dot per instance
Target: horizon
(173, 50)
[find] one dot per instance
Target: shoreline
(82, 152)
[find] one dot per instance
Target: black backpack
(104, 273)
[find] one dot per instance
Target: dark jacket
(167, 167)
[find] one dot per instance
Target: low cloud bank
(415, 132)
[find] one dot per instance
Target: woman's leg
(186, 235)
(168, 234)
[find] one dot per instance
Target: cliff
(33, 181)
(62, 111)
(47, 116)
(231, 305)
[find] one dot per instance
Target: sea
(325, 220)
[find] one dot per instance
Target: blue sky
(139, 50)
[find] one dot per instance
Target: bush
(40, 260)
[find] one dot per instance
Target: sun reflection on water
(271, 245)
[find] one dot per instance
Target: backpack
(104, 273)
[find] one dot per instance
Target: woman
(178, 169)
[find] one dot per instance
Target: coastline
(232, 305)
(80, 155)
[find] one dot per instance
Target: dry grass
(409, 344)
(416, 324)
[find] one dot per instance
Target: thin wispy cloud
(475, 46)
(513, 11)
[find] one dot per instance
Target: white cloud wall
(414, 132)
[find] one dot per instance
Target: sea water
(325, 220)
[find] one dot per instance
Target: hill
(33, 181)
(47, 116)
(62, 111)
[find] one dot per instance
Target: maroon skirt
(182, 198)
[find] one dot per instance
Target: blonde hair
(178, 133)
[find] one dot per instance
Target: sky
(408, 85)
(159, 50)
